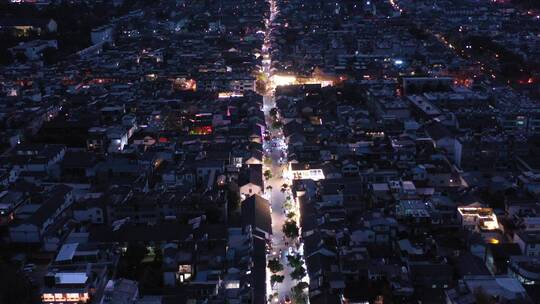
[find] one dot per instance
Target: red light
(204, 130)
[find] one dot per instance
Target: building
(120, 291)
(79, 273)
(23, 26)
(502, 287)
(476, 217)
(102, 34)
(529, 242)
(250, 181)
(256, 214)
(10, 203)
(417, 85)
(305, 171)
(525, 269)
(33, 50)
(33, 228)
(444, 139)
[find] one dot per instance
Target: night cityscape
(269, 151)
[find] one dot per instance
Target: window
(184, 268)
(47, 297)
(73, 297)
(232, 285)
(184, 273)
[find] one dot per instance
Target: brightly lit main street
(275, 152)
(281, 246)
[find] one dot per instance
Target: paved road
(276, 197)
(278, 216)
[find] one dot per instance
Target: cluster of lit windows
(64, 297)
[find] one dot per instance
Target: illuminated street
(275, 150)
(278, 219)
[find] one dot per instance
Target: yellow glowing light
(483, 217)
(324, 83)
(493, 241)
(283, 80)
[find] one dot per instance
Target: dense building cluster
(124, 166)
(280, 151)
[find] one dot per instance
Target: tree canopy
(290, 229)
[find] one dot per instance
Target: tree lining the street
(275, 266)
(273, 296)
(290, 229)
(276, 124)
(268, 174)
(287, 205)
(298, 273)
(297, 293)
(295, 261)
(276, 278)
